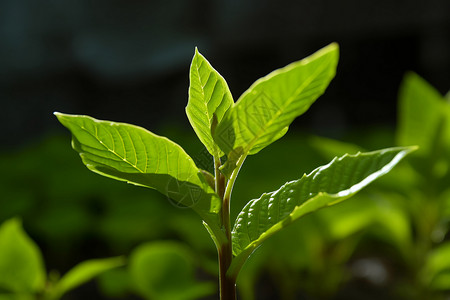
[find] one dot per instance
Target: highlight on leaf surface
(325, 186)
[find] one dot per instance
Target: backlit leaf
(421, 113)
(325, 186)
(133, 154)
(263, 113)
(209, 100)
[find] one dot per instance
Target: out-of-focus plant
(231, 132)
(415, 196)
(424, 119)
(23, 274)
(160, 270)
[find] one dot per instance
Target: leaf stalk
(225, 252)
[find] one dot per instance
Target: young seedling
(22, 269)
(231, 131)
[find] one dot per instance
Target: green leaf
(21, 266)
(436, 273)
(374, 212)
(209, 100)
(325, 186)
(263, 113)
(446, 129)
(130, 153)
(165, 271)
(85, 272)
(421, 113)
(133, 154)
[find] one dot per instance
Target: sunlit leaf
(85, 272)
(209, 100)
(166, 271)
(133, 154)
(21, 266)
(263, 113)
(325, 186)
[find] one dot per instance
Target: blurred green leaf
(446, 130)
(370, 211)
(444, 201)
(209, 100)
(166, 271)
(115, 283)
(348, 218)
(441, 282)
(264, 112)
(21, 266)
(420, 114)
(325, 186)
(437, 269)
(393, 223)
(85, 272)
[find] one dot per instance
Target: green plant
(424, 119)
(231, 132)
(419, 190)
(22, 270)
(160, 270)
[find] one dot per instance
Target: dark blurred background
(129, 61)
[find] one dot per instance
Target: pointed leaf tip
(263, 113)
(57, 114)
(209, 100)
(325, 186)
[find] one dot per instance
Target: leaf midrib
(197, 68)
(111, 150)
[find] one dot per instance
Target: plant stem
(227, 283)
(219, 178)
(227, 286)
